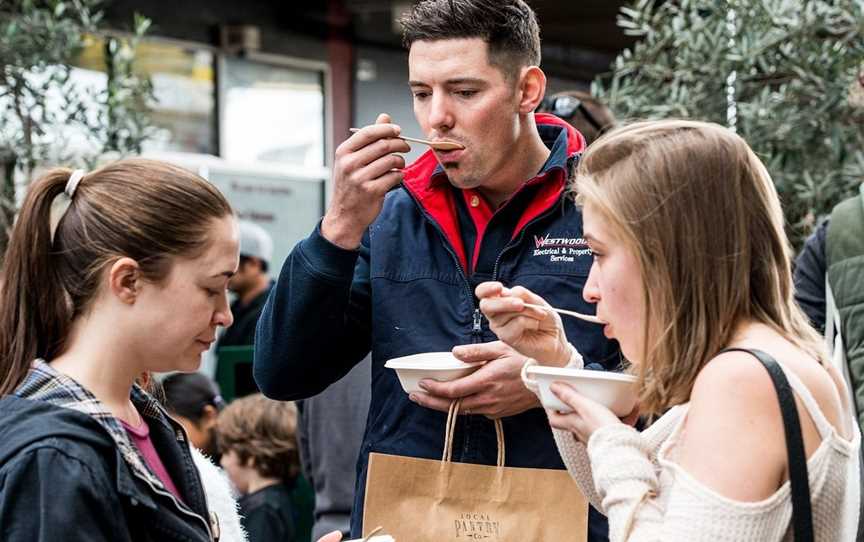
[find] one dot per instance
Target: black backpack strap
(802, 515)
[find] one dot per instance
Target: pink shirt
(141, 437)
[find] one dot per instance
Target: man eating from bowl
(394, 270)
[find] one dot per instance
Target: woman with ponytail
(108, 275)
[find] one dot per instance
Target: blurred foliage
(786, 74)
(40, 102)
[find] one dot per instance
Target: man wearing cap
(251, 284)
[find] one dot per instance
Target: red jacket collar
(434, 197)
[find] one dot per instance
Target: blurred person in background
(581, 110)
(830, 290)
(330, 433)
(258, 440)
(251, 284)
(194, 400)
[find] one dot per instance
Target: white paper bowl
(614, 390)
(440, 366)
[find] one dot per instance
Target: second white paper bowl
(616, 391)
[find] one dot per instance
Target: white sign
(286, 201)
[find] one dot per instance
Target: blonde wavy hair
(700, 212)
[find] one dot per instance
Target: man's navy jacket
(406, 291)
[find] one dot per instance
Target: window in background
(184, 87)
(271, 113)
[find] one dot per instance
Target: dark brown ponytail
(34, 311)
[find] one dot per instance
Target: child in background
(193, 398)
(257, 438)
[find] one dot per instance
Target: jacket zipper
(176, 503)
(516, 242)
(477, 316)
(180, 435)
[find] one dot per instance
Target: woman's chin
(190, 364)
(633, 356)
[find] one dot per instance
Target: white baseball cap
(255, 241)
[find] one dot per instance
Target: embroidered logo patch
(560, 249)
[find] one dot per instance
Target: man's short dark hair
(509, 27)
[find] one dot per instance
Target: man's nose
(440, 113)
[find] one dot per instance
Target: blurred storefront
(257, 95)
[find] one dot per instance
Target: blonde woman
(691, 262)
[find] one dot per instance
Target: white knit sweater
(629, 476)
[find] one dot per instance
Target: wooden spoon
(442, 145)
(586, 317)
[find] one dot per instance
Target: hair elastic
(61, 204)
(74, 180)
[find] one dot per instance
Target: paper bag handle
(450, 430)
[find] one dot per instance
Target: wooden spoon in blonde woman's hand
(443, 145)
(587, 317)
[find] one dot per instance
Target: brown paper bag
(423, 500)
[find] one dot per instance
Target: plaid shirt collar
(44, 383)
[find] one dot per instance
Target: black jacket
(268, 514)
(811, 268)
(62, 477)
